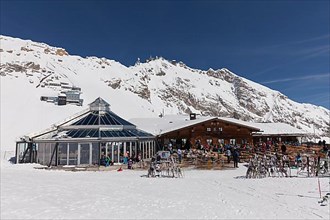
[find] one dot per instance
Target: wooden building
(179, 129)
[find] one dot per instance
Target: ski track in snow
(28, 193)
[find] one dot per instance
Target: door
(85, 154)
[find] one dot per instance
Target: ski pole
(318, 179)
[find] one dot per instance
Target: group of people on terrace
(124, 159)
(231, 151)
(209, 152)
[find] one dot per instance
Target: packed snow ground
(28, 193)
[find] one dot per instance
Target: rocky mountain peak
(156, 85)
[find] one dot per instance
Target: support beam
(149, 146)
(31, 149)
(131, 149)
(56, 155)
(125, 150)
(78, 159)
(100, 153)
(90, 153)
(16, 153)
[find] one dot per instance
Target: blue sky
(283, 45)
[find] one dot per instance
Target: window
(103, 149)
(95, 153)
(62, 154)
(20, 152)
(116, 152)
(45, 151)
(84, 153)
(73, 154)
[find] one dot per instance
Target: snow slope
(29, 70)
(28, 193)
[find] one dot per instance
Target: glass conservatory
(84, 138)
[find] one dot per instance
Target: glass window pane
(52, 148)
(62, 153)
(73, 154)
(48, 153)
(41, 153)
(84, 153)
(110, 150)
(95, 153)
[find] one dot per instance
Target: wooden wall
(214, 129)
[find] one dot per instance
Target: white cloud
(317, 76)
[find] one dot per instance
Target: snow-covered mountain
(30, 70)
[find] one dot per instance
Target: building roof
(241, 123)
(102, 118)
(97, 122)
(278, 129)
(169, 123)
(165, 124)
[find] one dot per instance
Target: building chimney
(192, 116)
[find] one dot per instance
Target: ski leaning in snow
(325, 199)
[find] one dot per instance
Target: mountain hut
(181, 129)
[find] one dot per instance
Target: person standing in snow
(108, 161)
(139, 160)
(125, 158)
(228, 154)
(187, 145)
(170, 148)
(235, 158)
(298, 159)
(130, 164)
(180, 155)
